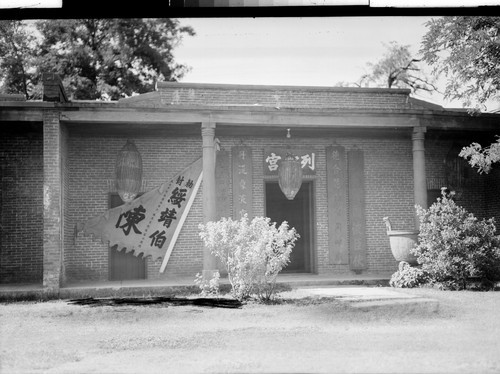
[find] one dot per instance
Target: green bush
(408, 276)
(253, 252)
(455, 247)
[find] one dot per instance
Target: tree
(482, 158)
(397, 68)
(467, 51)
(105, 58)
(17, 58)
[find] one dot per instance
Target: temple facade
(365, 154)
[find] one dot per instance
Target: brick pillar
(52, 201)
(209, 194)
(419, 178)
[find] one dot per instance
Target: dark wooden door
(124, 266)
(297, 213)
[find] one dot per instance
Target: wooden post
(209, 194)
(419, 178)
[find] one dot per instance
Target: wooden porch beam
(239, 118)
(255, 117)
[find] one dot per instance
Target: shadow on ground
(165, 301)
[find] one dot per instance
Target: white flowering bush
(253, 252)
(455, 246)
(408, 276)
(482, 158)
(208, 287)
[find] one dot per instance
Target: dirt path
(303, 336)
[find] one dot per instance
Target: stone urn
(402, 241)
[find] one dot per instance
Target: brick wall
(88, 173)
(21, 207)
(477, 196)
(389, 189)
(282, 97)
(91, 179)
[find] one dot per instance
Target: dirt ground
(298, 335)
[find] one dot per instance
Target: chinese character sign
(149, 223)
(242, 181)
(273, 157)
(223, 187)
(357, 210)
(336, 171)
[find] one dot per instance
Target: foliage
(482, 158)
(408, 276)
(253, 252)
(467, 51)
(102, 59)
(18, 48)
(397, 68)
(454, 246)
(208, 287)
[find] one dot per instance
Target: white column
(209, 188)
(419, 178)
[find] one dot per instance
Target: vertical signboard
(337, 205)
(222, 178)
(222, 192)
(357, 219)
(242, 181)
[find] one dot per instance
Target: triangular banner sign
(151, 223)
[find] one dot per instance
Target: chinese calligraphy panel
(222, 177)
(242, 181)
(337, 205)
(357, 229)
(273, 157)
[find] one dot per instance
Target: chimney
(53, 89)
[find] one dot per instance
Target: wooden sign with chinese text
(242, 181)
(222, 193)
(357, 217)
(273, 157)
(222, 177)
(336, 171)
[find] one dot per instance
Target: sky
(306, 51)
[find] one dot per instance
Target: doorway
(122, 265)
(298, 214)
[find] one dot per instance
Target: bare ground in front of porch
(302, 335)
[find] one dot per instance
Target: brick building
(366, 154)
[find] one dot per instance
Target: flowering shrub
(482, 158)
(408, 276)
(208, 287)
(253, 252)
(454, 246)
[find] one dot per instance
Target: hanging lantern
(128, 172)
(290, 176)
